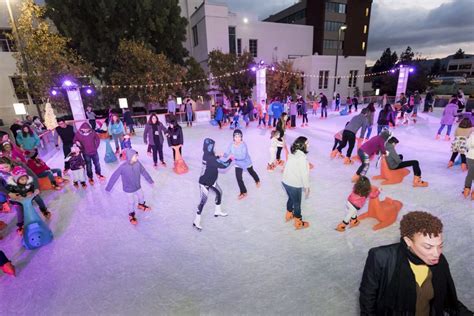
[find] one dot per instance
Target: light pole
(341, 28)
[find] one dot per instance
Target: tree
(194, 71)
(283, 82)
(232, 77)
(459, 54)
(49, 117)
(386, 62)
(436, 67)
(407, 56)
(97, 27)
(48, 58)
(385, 82)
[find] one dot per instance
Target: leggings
(134, 199)
(336, 142)
(240, 181)
(351, 212)
(118, 140)
(279, 149)
(411, 163)
(174, 152)
(448, 132)
(205, 193)
(365, 159)
(347, 137)
(455, 154)
(470, 174)
(305, 118)
(157, 149)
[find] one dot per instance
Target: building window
(365, 29)
(331, 44)
(465, 67)
(332, 26)
(453, 67)
(323, 79)
(253, 47)
(239, 47)
(353, 78)
(6, 45)
(335, 7)
(366, 11)
(363, 45)
(232, 47)
(195, 36)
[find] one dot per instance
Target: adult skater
(116, 130)
(153, 136)
(293, 112)
(128, 120)
(66, 134)
(449, 115)
(208, 180)
(86, 138)
(238, 149)
(374, 145)
(411, 277)
(338, 102)
(370, 120)
(188, 108)
(295, 180)
(386, 117)
(324, 105)
(91, 116)
(470, 164)
(395, 161)
(304, 112)
(349, 135)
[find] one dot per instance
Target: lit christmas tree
(49, 117)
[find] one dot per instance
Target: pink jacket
(449, 114)
(359, 201)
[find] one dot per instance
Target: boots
(300, 224)
(8, 268)
(466, 192)
(197, 222)
(218, 212)
(463, 167)
(450, 164)
(288, 216)
(417, 182)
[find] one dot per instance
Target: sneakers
(417, 182)
(144, 207)
(132, 218)
(300, 224)
(218, 212)
(242, 196)
(289, 216)
(8, 268)
(197, 222)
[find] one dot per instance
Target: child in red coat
(41, 169)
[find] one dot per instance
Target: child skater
(42, 170)
(131, 172)
(126, 144)
(280, 128)
(458, 145)
(470, 169)
(238, 149)
(208, 180)
(274, 144)
(356, 200)
(77, 166)
(6, 265)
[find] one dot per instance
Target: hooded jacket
(148, 137)
(88, 140)
(116, 128)
(13, 187)
(130, 174)
(449, 114)
(211, 163)
(376, 144)
(393, 159)
(175, 135)
(76, 162)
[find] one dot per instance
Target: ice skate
(354, 222)
(437, 136)
(218, 212)
(334, 153)
(341, 227)
(288, 216)
(75, 184)
(9, 269)
(5, 208)
(163, 164)
(300, 224)
(47, 214)
(450, 164)
(91, 181)
(348, 161)
(242, 196)
(84, 185)
(466, 192)
(447, 138)
(258, 184)
(132, 218)
(355, 178)
(463, 167)
(101, 177)
(19, 230)
(143, 207)
(197, 222)
(417, 182)
(270, 167)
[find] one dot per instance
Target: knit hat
(75, 149)
(18, 172)
(237, 132)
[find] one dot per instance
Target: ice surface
(250, 262)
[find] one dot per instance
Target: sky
(434, 28)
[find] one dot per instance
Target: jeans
(411, 163)
(448, 132)
(365, 159)
(50, 174)
(294, 200)
(189, 116)
(380, 128)
(324, 111)
(347, 137)
(94, 158)
(240, 181)
(118, 140)
(470, 174)
(293, 120)
(369, 131)
(157, 149)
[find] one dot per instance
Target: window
(331, 44)
(453, 67)
(323, 79)
(253, 47)
(239, 47)
(232, 40)
(6, 45)
(465, 67)
(336, 7)
(353, 78)
(195, 36)
(365, 29)
(332, 26)
(366, 11)
(363, 45)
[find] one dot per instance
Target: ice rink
(251, 262)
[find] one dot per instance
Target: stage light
(254, 68)
(67, 83)
(54, 92)
(89, 91)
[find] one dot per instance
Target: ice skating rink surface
(250, 262)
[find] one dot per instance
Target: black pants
(455, 154)
(3, 258)
(205, 193)
(347, 137)
(67, 151)
(174, 152)
(219, 123)
(93, 124)
(240, 181)
(305, 118)
(279, 153)
(336, 142)
(157, 149)
(411, 163)
(293, 120)
(324, 111)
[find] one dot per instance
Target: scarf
(401, 291)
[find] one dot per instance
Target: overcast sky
(435, 28)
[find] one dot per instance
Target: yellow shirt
(420, 272)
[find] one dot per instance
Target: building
(463, 66)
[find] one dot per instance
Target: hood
(385, 134)
(208, 146)
(85, 126)
(129, 153)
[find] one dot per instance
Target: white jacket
(470, 146)
(296, 173)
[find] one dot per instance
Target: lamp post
(341, 28)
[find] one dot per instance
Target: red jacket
(37, 165)
(359, 201)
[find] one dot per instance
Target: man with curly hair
(411, 277)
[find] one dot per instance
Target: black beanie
(237, 132)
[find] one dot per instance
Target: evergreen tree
(407, 56)
(386, 62)
(459, 54)
(49, 117)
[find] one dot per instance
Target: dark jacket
(127, 118)
(66, 134)
(211, 163)
(385, 118)
(324, 101)
(175, 136)
(76, 162)
(148, 137)
(378, 272)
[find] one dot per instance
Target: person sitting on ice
(42, 170)
(448, 118)
(131, 172)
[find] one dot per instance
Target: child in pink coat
(449, 115)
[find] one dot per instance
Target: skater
(370, 120)
(337, 141)
(349, 104)
(375, 145)
(171, 105)
(304, 112)
(270, 115)
(262, 113)
(293, 112)
(88, 141)
(470, 167)
(349, 135)
(6, 265)
(395, 161)
(188, 108)
(239, 151)
(208, 180)
(449, 115)
(77, 165)
(66, 134)
(27, 138)
(128, 119)
(277, 109)
(416, 103)
(429, 100)
(219, 115)
(324, 105)
(42, 170)
(355, 102)
(10, 150)
(91, 116)
(411, 277)
(315, 107)
(116, 131)
(281, 127)
(131, 172)
(458, 145)
(360, 192)
(174, 135)
(274, 144)
(386, 117)
(153, 137)
(296, 180)
(338, 102)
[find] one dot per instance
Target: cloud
(262, 9)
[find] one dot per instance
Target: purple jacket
(374, 145)
(293, 108)
(130, 174)
(449, 114)
(88, 139)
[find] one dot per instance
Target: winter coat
(277, 109)
(175, 136)
(359, 201)
(130, 174)
(449, 114)
(241, 155)
(304, 108)
(385, 118)
(470, 147)
(127, 118)
(148, 137)
(66, 134)
(296, 173)
(76, 162)
(30, 142)
(37, 165)
(293, 109)
(211, 163)
(219, 114)
(324, 101)
(116, 128)
(89, 140)
(375, 144)
(23, 190)
(357, 122)
(393, 159)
